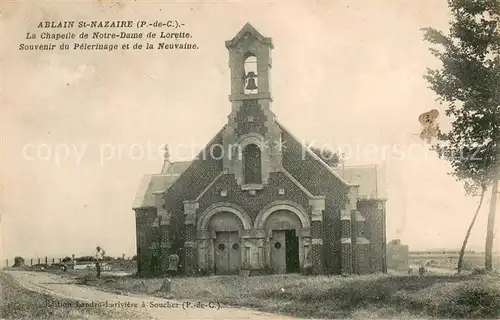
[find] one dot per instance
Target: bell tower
(250, 64)
(252, 138)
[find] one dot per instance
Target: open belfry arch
(267, 203)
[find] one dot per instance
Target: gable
(305, 166)
(197, 174)
(201, 167)
(248, 28)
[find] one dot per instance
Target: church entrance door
(285, 251)
(278, 253)
(292, 251)
(227, 253)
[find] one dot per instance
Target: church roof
(368, 177)
(313, 155)
(150, 184)
(176, 168)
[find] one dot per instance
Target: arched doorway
(227, 255)
(287, 232)
(282, 228)
(220, 249)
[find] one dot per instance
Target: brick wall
(363, 259)
(331, 248)
(374, 231)
(190, 250)
(315, 177)
(347, 258)
(244, 125)
(252, 204)
(189, 185)
(145, 236)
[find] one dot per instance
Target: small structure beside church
(255, 198)
(397, 256)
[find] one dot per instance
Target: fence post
(46, 260)
(6, 263)
(31, 262)
(53, 260)
(38, 260)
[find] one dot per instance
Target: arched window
(252, 167)
(250, 74)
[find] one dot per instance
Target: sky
(345, 73)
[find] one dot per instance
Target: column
(317, 206)
(346, 243)
(267, 250)
(306, 242)
(382, 227)
(346, 240)
(204, 243)
(252, 243)
(190, 236)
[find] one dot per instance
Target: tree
(18, 263)
(330, 157)
(468, 83)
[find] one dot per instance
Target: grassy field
(19, 303)
(374, 296)
(471, 261)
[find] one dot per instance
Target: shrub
(85, 259)
(474, 301)
(478, 271)
(307, 271)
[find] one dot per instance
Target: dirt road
(150, 307)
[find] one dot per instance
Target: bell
(251, 84)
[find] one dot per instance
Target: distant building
(256, 198)
(397, 255)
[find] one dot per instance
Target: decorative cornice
(362, 240)
(345, 240)
(255, 96)
(315, 241)
(345, 215)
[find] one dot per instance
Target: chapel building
(255, 198)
